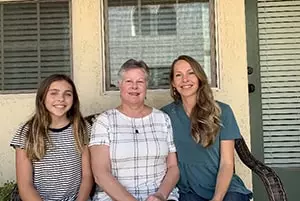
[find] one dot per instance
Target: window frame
(213, 49)
(31, 91)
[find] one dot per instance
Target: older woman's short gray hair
(134, 64)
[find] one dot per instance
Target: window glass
(157, 32)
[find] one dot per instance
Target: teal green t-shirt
(198, 165)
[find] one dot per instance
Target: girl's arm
(169, 181)
(101, 167)
(24, 177)
(87, 176)
(225, 170)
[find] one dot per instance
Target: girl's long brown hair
(205, 115)
(37, 137)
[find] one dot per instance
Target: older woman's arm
(101, 167)
(225, 170)
(169, 181)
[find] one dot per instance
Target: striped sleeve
(18, 140)
(100, 131)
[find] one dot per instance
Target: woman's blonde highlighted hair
(205, 116)
(37, 137)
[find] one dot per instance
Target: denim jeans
(230, 196)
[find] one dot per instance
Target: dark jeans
(230, 196)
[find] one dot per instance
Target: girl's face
(59, 99)
(184, 79)
(133, 86)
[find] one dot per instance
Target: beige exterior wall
(233, 69)
(88, 71)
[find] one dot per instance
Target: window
(35, 42)
(158, 31)
(167, 20)
(142, 21)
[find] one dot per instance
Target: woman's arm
(24, 177)
(87, 176)
(169, 181)
(101, 167)
(225, 170)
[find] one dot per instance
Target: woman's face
(184, 79)
(133, 86)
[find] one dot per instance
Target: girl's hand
(156, 197)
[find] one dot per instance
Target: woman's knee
(190, 197)
(234, 196)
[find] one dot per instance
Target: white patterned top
(138, 150)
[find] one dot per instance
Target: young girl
(52, 159)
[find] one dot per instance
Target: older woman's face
(133, 86)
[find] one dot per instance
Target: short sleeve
(170, 139)
(229, 129)
(88, 130)
(100, 131)
(19, 138)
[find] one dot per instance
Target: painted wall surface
(88, 73)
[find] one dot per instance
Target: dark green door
(273, 54)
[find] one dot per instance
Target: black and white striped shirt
(57, 176)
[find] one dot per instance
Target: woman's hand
(169, 181)
(156, 197)
(215, 200)
(225, 169)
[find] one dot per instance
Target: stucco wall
(88, 71)
(233, 69)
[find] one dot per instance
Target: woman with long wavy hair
(204, 134)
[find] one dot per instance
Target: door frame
(255, 104)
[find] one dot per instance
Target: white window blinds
(279, 46)
(158, 31)
(35, 42)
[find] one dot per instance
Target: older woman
(133, 155)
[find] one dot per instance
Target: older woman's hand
(156, 197)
